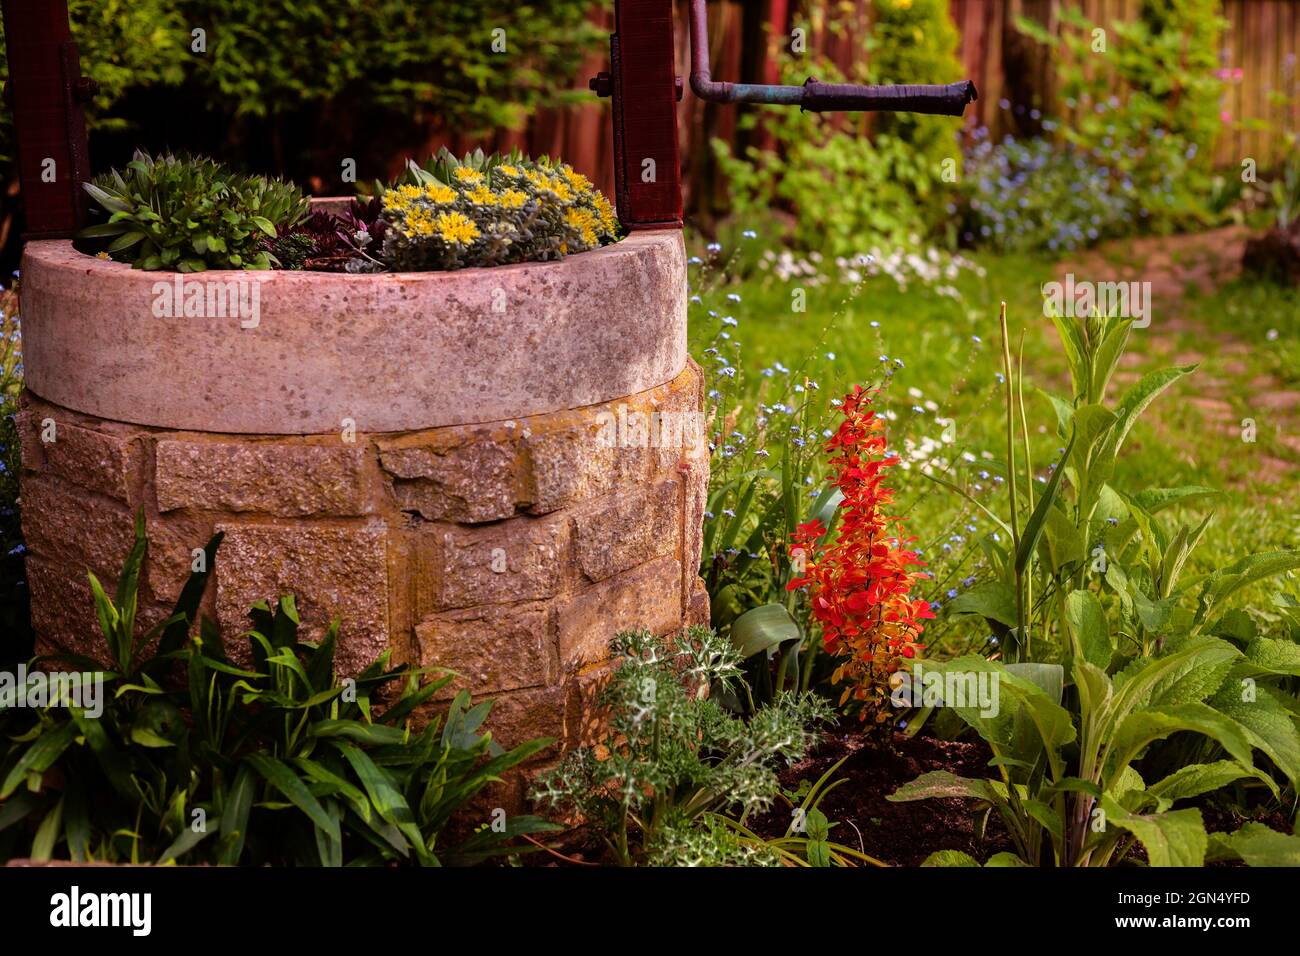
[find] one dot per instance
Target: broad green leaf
(1025, 725)
(1236, 625)
(762, 628)
(1257, 845)
(1155, 500)
(1266, 723)
(1196, 779)
(106, 199)
(1045, 816)
(1095, 698)
(950, 858)
(1154, 615)
(1274, 656)
(818, 826)
(126, 241)
(1089, 635)
(818, 853)
(1137, 399)
(1199, 670)
(994, 600)
(1142, 727)
(103, 230)
(1184, 543)
(1191, 667)
(1106, 356)
(1070, 333)
(1050, 678)
(1128, 785)
(1176, 838)
(1004, 859)
(39, 757)
(1255, 567)
(1064, 411)
(1091, 424)
(941, 784)
(824, 509)
(1110, 504)
(1062, 544)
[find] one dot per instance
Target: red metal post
(643, 82)
(45, 93)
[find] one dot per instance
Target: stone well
(454, 464)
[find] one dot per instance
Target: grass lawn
(1245, 335)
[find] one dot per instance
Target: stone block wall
(509, 552)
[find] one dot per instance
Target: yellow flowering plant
(491, 210)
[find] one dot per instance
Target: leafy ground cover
(1244, 335)
(781, 336)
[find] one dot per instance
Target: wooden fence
(1258, 58)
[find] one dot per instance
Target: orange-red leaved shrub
(860, 585)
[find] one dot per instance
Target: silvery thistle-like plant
(671, 759)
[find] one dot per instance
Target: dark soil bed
(900, 834)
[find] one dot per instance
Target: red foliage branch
(860, 586)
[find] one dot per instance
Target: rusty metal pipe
(942, 100)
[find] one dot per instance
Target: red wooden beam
(45, 93)
(643, 82)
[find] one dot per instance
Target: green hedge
(265, 58)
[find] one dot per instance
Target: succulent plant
(189, 214)
(491, 210)
(333, 242)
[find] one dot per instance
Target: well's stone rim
(331, 347)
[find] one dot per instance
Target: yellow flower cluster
(454, 227)
(584, 220)
(485, 212)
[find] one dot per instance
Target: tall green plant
(749, 563)
(1120, 650)
(200, 758)
(1068, 789)
(1083, 545)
